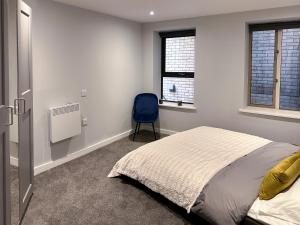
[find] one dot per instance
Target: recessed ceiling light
(151, 13)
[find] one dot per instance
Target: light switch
(84, 93)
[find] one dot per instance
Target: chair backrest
(145, 107)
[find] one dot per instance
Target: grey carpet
(79, 193)
(14, 182)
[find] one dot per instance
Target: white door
(23, 104)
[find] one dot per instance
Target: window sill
(295, 115)
(175, 106)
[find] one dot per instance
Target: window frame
(173, 34)
(278, 27)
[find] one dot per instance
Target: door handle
(11, 122)
(16, 106)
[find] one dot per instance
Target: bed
(213, 173)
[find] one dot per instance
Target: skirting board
(52, 164)
(168, 132)
(14, 161)
(49, 165)
(163, 131)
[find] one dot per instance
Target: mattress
(179, 166)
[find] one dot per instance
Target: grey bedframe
(250, 221)
(192, 218)
(247, 221)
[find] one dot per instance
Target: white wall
(74, 49)
(115, 59)
(221, 74)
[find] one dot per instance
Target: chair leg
(136, 126)
(154, 131)
(138, 130)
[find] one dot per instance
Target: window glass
(263, 53)
(180, 54)
(178, 89)
(290, 70)
(178, 66)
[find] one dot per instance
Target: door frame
(5, 93)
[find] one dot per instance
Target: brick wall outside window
(180, 54)
(184, 89)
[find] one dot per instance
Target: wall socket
(84, 121)
(84, 93)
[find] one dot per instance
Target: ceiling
(138, 10)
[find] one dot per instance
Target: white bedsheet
(281, 210)
(179, 166)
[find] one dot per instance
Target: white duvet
(281, 210)
(179, 166)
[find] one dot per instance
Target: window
(275, 65)
(178, 66)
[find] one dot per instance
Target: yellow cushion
(282, 176)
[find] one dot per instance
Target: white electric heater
(65, 122)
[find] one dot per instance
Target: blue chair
(145, 110)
